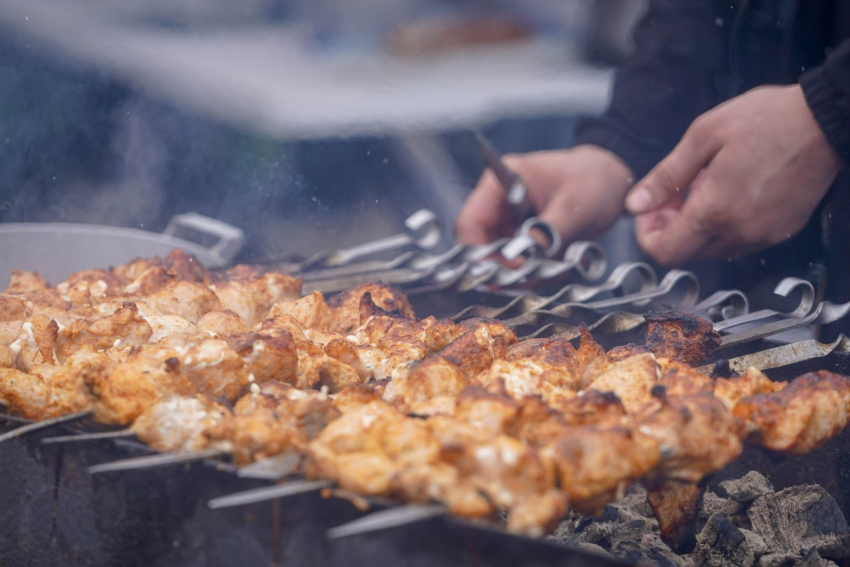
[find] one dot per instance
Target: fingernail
(639, 200)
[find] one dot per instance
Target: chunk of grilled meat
(680, 336)
(730, 391)
(36, 342)
(149, 374)
(310, 311)
(50, 391)
(675, 504)
(595, 464)
(346, 306)
(265, 432)
(271, 354)
(591, 357)
(179, 423)
(124, 328)
(414, 389)
(546, 368)
(800, 417)
(21, 282)
(251, 294)
(697, 435)
(631, 380)
(222, 324)
(482, 342)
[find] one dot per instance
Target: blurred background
(310, 124)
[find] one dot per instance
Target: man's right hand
(580, 192)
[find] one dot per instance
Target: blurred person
(709, 172)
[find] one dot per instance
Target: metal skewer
(89, 436)
(157, 460)
(784, 289)
(572, 293)
(783, 355)
(268, 493)
(386, 519)
(38, 425)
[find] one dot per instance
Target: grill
(53, 511)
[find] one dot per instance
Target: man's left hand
(754, 169)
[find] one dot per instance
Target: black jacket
(694, 54)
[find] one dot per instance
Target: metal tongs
(512, 184)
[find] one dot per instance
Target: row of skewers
(356, 391)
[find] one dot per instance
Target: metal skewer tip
(88, 436)
(159, 460)
(43, 425)
(386, 519)
(268, 493)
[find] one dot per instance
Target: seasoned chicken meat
(800, 417)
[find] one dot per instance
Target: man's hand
(579, 192)
(756, 168)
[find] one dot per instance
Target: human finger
(485, 215)
(675, 173)
(674, 235)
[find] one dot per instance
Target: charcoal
(755, 542)
(593, 549)
(649, 549)
(714, 504)
(801, 518)
(721, 543)
(635, 501)
(747, 488)
(812, 559)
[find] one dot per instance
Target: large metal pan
(55, 250)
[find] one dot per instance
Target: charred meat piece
(680, 336)
(316, 369)
(676, 505)
(483, 342)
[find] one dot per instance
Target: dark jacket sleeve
(676, 74)
(827, 91)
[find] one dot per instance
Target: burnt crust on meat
(680, 336)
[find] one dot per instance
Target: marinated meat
(800, 417)
(680, 336)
